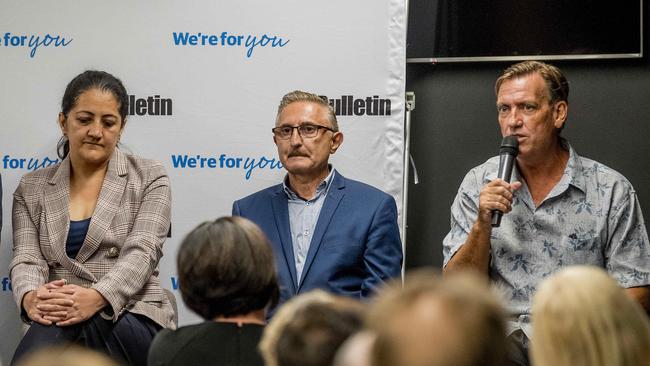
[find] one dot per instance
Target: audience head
(581, 316)
(309, 329)
(356, 351)
(226, 268)
(103, 96)
(66, 356)
(434, 321)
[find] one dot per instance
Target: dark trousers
(127, 341)
(517, 351)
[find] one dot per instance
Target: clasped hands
(62, 304)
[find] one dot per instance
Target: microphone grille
(509, 145)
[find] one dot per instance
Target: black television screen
(490, 30)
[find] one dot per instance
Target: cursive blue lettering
(35, 42)
(47, 162)
(250, 164)
(252, 42)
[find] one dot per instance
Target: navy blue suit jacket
(356, 244)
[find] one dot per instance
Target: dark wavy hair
(91, 79)
(226, 268)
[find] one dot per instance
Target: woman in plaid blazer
(88, 233)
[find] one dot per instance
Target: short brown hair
(302, 96)
(556, 83)
(452, 321)
(316, 332)
(308, 329)
(226, 268)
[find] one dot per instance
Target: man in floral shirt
(560, 209)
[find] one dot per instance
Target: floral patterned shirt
(591, 217)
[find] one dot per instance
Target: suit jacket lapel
(57, 219)
(281, 214)
(56, 197)
(110, 198)
(334, 196)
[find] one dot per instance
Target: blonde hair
(69, 355)
(356, 351)
(302, 96)
(581, 316)
(450, 321)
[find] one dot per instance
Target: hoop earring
(63, 147)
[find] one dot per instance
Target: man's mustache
(297, 153)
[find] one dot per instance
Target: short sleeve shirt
(591, 217)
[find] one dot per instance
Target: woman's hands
(44, 295)
(61, 304)
(86, 303)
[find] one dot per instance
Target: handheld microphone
(507, 154)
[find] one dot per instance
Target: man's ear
(336, 142)
(560, 112)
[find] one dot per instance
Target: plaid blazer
(119, 257)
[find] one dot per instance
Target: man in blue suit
(327, 231)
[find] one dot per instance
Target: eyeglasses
(306, 130)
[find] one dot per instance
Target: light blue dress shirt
(303, 216)
(591, 217)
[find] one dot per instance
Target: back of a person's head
(66, 356)
(435, 321)
(226, 268)
(356, 351)
(581, 316)
(309, 329)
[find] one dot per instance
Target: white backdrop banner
(205, 79)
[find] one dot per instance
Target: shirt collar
(573, 173)
(322, 188)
